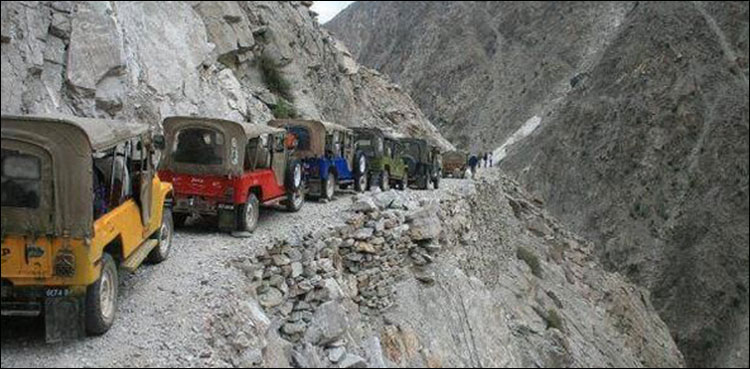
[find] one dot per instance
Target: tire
(385, 180)
(101, 299)
(436, 184)
(164, 236)
(180, 219)
(360, 183)
(293, 176)
(295, 200)
(328, 186)
(247, 214)
(404, 184)
(360, 165)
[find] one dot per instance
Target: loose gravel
(163, 309)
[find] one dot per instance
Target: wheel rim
(165, 238)
(107, 294)
(250, 218)
(297, 199)
(362, 164)
(330, 184)
(386, 181)
(297, 176)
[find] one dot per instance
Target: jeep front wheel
(101, 299)
(329, 186)
(247, 214)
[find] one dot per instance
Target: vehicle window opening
(199, 146)
(303, 137)
(21, 180)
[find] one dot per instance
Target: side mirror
(160, 143)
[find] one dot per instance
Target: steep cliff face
(145, 60)
(629, 119)
(471, 275)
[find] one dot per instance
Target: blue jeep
(328, 154)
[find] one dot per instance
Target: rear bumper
(63, 308)
(200, 205)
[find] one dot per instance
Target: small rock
(366, 248)
(364, 205)
(353, 361)
(297, 269)
(271, 298)
(336, 354)
(280, 260)
(293, 328)
(364, 234)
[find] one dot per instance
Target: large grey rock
(227, 27)
(96, 46)
(328, 324)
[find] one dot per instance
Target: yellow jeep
(80, 200)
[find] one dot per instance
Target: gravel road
(163, 308)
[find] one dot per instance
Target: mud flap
(227, 220)
(64, 318)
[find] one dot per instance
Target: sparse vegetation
(284, 110)
(274, 78)
(531, 260)
(554, 320)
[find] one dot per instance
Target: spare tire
(293, 176)
(411, 164)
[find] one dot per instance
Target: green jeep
(383, 151)
(424, 162)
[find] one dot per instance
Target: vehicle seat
(263, 158)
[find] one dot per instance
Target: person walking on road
(473, 161)
(485, 160)
(490, 159)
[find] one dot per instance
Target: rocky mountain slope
(143, 61)
(474, 274)
(630, 120)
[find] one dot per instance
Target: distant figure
(485, 160)
(473, 161)
(490, 159)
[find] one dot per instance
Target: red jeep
(228, 169)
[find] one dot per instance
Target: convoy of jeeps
(84, 199)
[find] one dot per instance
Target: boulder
(329, 323)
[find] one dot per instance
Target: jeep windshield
(21, 180)
(371, 145)
(201, 146)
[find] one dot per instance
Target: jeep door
(278, 156)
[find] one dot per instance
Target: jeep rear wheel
(247, 214)
(385, 180)
(404, 184)
(180, 219)
(164, 237)
(101, 299)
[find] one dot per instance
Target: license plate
(57, 292)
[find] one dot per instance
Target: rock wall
(637, 117)
(408, 279)
(143, 61)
